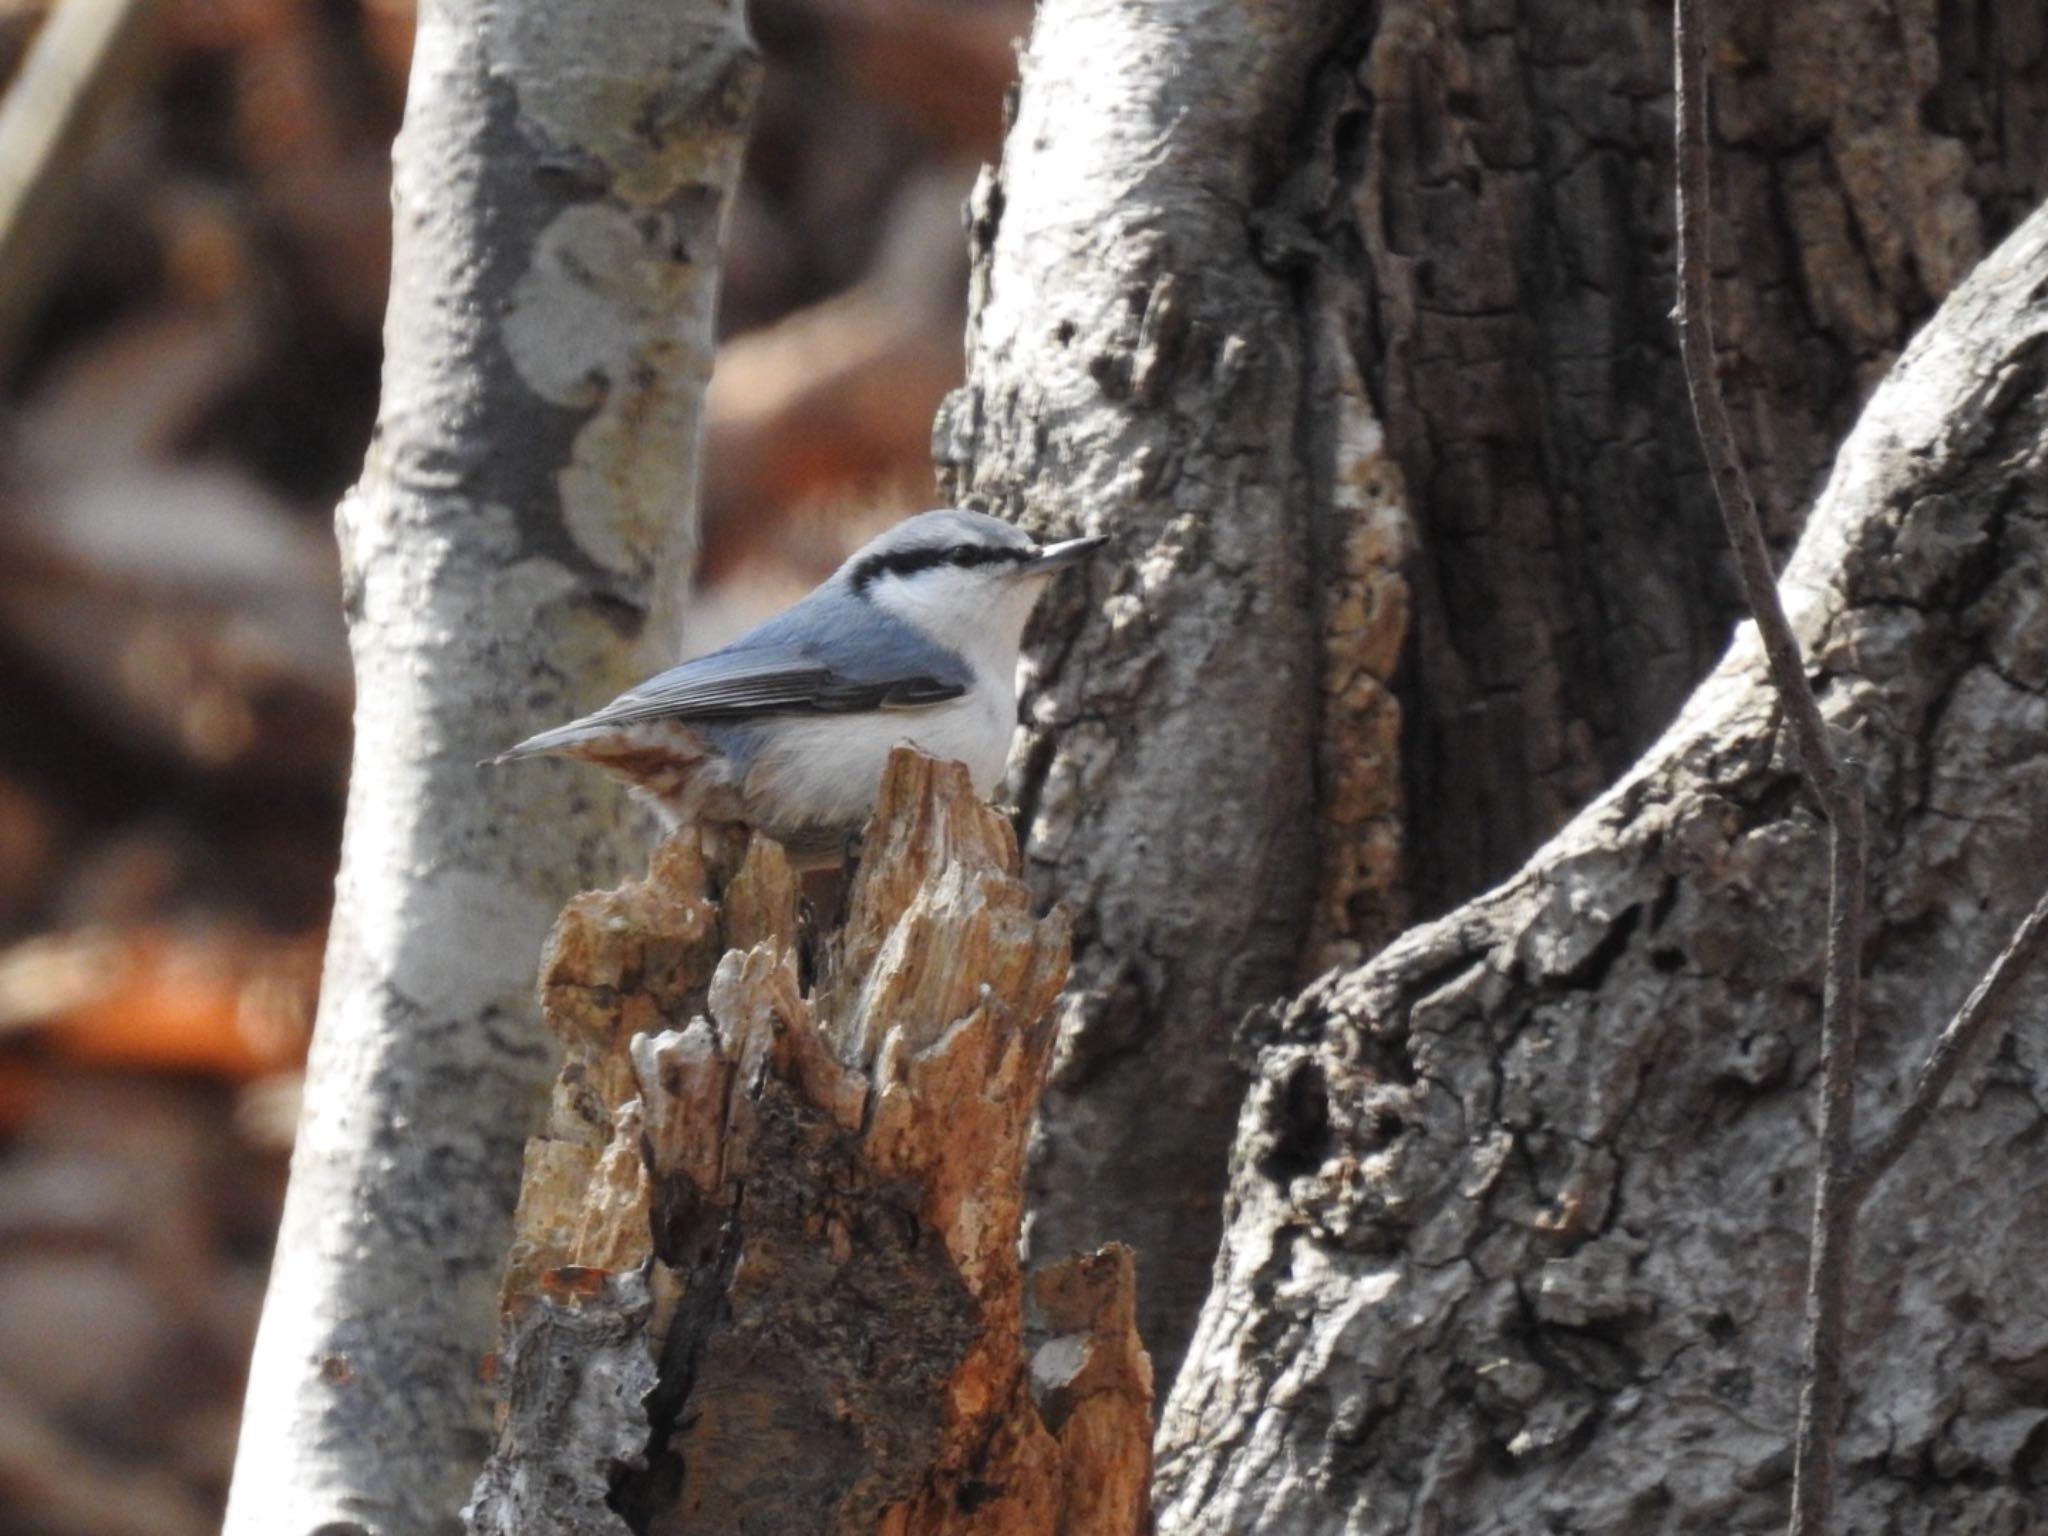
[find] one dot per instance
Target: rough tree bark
(1354, 324)
(1507, 216)
(765, 1277)
(1518, 1217)
(1134, 366)
(512, 555)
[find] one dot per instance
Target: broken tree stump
(765, 1273)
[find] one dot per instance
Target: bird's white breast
(825, 770)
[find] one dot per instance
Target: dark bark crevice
(1570, 585)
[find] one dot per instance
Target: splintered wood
(765, 1276)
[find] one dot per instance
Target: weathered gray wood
(1518, 1215)
(512, 555)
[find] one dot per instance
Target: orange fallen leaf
(224, 1003)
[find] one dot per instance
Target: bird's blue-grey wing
(773, 680)
(764, 675)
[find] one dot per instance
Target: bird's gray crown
(949, 537)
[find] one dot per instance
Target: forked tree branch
(1845, 1178)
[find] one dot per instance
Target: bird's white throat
(978, 613)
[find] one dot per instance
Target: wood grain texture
(1503, 208)
(800, 1203)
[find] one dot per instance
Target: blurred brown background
(191, 287)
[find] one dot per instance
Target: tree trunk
(1136, 366)
(512, 556)
(1518, 1213)
(765, 1277)
(1508, 219)
(1280, 295)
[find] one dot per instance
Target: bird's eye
(981, 554)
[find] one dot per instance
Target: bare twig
(1974, 1024)
(1833, 1259)
(1845, 1178)
(88, 56)
(1834, 1204)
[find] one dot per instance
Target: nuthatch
(913, 640)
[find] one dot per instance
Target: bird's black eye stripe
(907, 562)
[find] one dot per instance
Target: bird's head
(962, 577)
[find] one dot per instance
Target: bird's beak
(1054, 557)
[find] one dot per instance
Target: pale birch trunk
(512, 555)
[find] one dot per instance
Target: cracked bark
(512, 555)
(1354, 328)
(1138, 364)
(1511, 212)
(1517, 1228)
(765, 1277)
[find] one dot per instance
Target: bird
(913, 640)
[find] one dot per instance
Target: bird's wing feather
(777, 669)
(731, 685)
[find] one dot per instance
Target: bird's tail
(547, 743)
